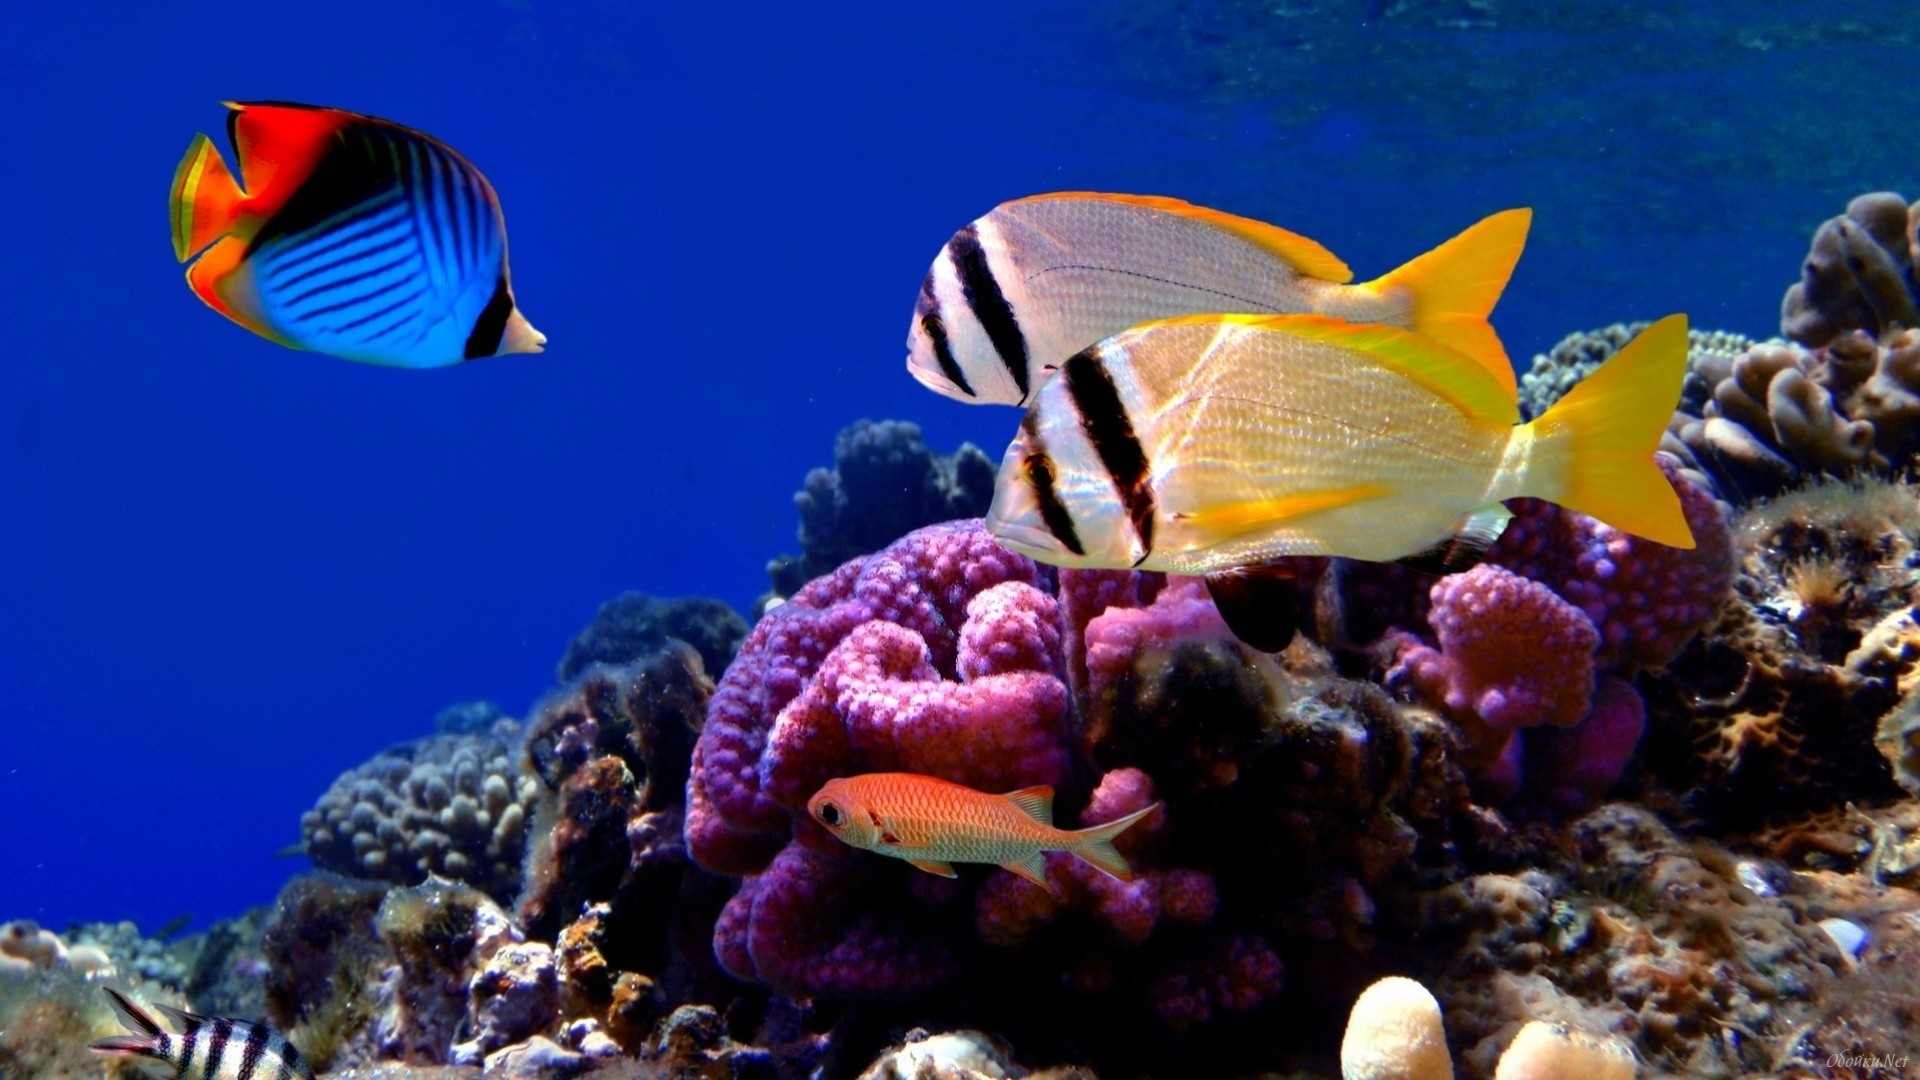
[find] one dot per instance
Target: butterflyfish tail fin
(1594, 449)
(205, 203)
(1455, 286)
(1094, 845)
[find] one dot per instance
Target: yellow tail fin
(1455, 286)
(1594, 448)
(206, 200)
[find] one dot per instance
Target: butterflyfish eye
(934, 328)
(830, 814)
(1039, 470)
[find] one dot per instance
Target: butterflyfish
(1014, 294)
(353, 236)
(934, 823)
(1215, 445)
(205, 1048)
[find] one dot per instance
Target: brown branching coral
(1859, 274)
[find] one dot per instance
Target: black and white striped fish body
(1015, 293)
(205, 1047)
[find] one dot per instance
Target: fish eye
(1039, 469)
(830, 814)
(934, 327)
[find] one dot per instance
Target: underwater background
(230, 572)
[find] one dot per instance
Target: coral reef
(1858, 275)
(884, 483)
(633, 625)
(1533, 649)
(1775, 708)
(611, 750)
(1636, 932)
(1577, 355)
(451, 805)
(1409, 788)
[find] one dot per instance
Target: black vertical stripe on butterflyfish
(1039, 470)
(353, 170)
(989, 304)
(935, 327)
(491, 326)
(188, 1038)
(255, 1049)
(217, 1046)
(291, 1063)
(1104, 418)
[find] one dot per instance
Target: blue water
(229, 571)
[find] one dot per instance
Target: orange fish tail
(1455, 286)
(1593, 449)
(1094, 845)
(205, 204)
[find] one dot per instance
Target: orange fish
(933, 823)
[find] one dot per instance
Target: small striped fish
(1014, 294)
(356, 237)
(207, 1047)
(933, 823)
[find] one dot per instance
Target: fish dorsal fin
(276, 146)
(1260, 604)
(1472, 536)
(1309, 257)
(1035, 802)
(182, 1019)
(1227, 521)
(131, 1015)
(1447, 372)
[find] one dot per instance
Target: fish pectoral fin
(1229, 521)
(1472, 536)
(1261, 604)
(1033, 867)
(934, 866)
(1035, 802)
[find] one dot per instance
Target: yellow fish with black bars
(1216, 444)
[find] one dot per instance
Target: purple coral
(944, 655)
(1646, 599)
(908, 604)
(1563, 599)
(1512, 654)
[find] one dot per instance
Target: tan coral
(1395, 1032)
(1857, 276)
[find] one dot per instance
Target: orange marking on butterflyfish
(277, 146)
